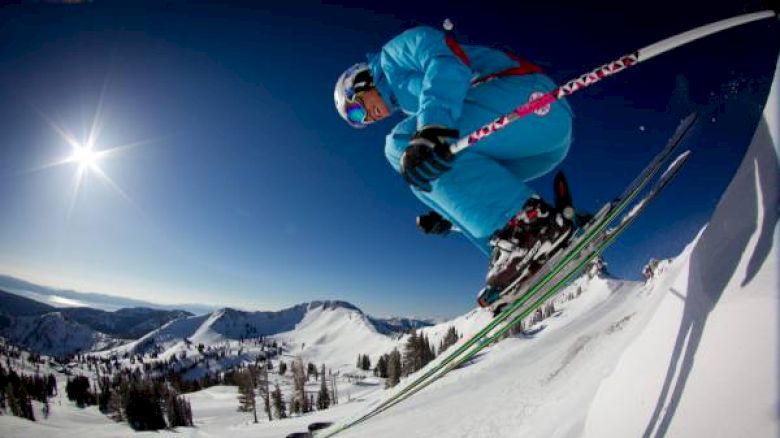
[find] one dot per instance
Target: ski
(581, 262)
(588, 243)
(516, 289)
(599, 244)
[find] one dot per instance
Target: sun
(85, 156)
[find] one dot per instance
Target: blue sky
(239, 185)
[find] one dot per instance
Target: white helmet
(346, 95)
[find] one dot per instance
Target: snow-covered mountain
(330, 332)
(124, 323)
(53, 334)
(60, 331)
(43, 328)
(335, 335)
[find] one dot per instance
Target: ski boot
(527, 241)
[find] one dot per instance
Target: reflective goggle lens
(356, 113)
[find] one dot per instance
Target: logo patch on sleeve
(542, 111)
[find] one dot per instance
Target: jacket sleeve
(445, 78)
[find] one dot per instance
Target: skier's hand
(428, 156)
(433, 223)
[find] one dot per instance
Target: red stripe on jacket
(524, 67)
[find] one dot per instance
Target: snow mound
(706, 364)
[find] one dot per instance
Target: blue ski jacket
(435, 81)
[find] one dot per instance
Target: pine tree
(417, 353)
(334, 395)
(516, 329)
(311, 371)
(393, 369)
(323, 398)
(115, 404)
(299, 382)
(246, 392)
(450, 339)
(46, 409)
(381, 366)
(19, 400)
(295, 405)
(178, 410)
(104, 395)
(264, 390)
(427, 353)
(52, 385)
(282, 368)
(142, 407)
(366, 364)
(411, 355)
(280, 409)
(78, 391)
(9, 399)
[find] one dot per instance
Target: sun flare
(85, 156)
(87, 159)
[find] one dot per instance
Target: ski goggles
(357, 115)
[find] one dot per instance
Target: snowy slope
(165, 337)
(525, 386)
(707, 363)
(335, 335)
(465, 325)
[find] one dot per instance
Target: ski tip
(690, 119)
(674, 165)
(774, 6)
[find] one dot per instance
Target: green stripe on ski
(480, 338)
(554, 290)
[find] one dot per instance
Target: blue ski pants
(487, 184)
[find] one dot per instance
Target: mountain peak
(333, 304)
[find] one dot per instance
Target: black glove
(428, 156)
(433, 223)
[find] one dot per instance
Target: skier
(445, 90)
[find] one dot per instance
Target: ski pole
(605, 71)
